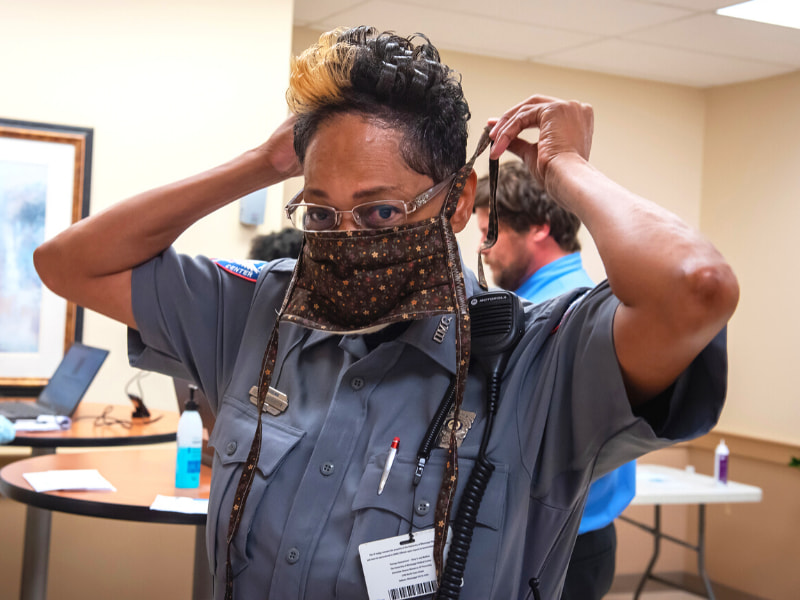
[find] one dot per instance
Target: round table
(93, 425)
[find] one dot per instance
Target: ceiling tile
(677, 41)
(672, 65)
(597, 17)
(694, 5)
(307, 12)
(726, 36)
(446, 30)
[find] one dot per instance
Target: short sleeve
(190, 314)
(690, 407)
(589, 418)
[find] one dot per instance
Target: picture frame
(45, 182)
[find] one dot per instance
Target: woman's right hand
(278, 151)
(137, 229)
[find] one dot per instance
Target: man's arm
(90, 263)
(676, 290)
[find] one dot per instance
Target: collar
(569, 265)
(422, 334)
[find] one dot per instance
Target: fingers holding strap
(493, 228)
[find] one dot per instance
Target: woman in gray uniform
(314, 367)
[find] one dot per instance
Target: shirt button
(327, 468)
(292, 556)
(230, 448)
(422, 508)
(357, 383)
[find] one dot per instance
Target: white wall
(171, 89)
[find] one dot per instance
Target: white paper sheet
(68, 479)
(180, 504)
(43, 423)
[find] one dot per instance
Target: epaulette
(246, 269)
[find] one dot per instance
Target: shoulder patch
(246, 269)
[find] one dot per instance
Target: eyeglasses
(369, 215)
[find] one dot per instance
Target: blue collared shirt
(555, 278)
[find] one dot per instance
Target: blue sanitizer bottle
(190, 445)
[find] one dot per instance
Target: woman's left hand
(565, 127)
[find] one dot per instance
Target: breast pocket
(231, 439)
(403, 507)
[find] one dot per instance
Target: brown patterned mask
(349, 281)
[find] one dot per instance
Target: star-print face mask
(353, 281)
(349, 281)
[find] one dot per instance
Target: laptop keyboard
(22, 410)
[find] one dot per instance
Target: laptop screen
(72, 378)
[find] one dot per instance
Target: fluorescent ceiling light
(775, 12)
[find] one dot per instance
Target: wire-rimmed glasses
(377, 214)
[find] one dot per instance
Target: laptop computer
(65, 389)
(206, 416)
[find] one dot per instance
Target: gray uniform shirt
(563, 419)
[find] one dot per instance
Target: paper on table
(68, 479)
(180, 504)
(43, 423)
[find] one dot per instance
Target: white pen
(388, 465)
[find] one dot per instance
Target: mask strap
(250, 467)
(462, 334)
(451, 202)
(492, 230)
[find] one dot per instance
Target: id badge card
(401, 566)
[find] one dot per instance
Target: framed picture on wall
(45, 177)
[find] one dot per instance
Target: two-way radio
(496, 322)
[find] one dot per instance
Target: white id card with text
(399, 568)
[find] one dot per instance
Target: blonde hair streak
(320, 74)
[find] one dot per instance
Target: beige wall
(645, 132)
(171, 89)
(174, 88)
(751, 208)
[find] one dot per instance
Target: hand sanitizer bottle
(190, 445)
(721, 463)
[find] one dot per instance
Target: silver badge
(461, 427)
